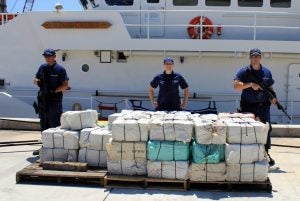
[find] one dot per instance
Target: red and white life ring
(7, 17)
(207, 31)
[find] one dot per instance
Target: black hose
(24, 141)
(282, 145)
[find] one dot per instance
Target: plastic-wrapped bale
(60, 138)
(236, 115)
(112, 118)
(209, 117)
(182, 115)
(118, 129)
(125, 167)
(129, 151)
(207, 172)
(168, 169)
(233, 132)
(77, 120)
(94, 138)
(58, 154)
(212, 153)
(53, 137)
(183, 130)
(169, 131)
(248, 153)
(97, 158)
(144, 125)
(138, 114)
(210, 133)
(157, 130)
(254, 171)
(168, 151)
(132, 130)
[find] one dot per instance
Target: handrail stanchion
(148, 25)
(255, 23)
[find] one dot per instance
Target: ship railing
(6, 17)
(254, 25)
(124, 102)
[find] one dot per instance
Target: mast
(3, 6)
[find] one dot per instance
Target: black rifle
(266, 90)
(43, 94)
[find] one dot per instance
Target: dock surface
(285, 178)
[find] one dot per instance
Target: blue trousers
(50, 118)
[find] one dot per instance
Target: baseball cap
(168, 60)
(49, 52)
(255, 52)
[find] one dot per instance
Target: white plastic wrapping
(168, 169)
(60, 138)
(124, 167)
(236, 153)
(207, 172)
(183, 130)
(77, 120)
(58, 154)
(92, 157)
(94, 138)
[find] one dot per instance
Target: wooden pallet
(140, 182)
(231, 186)
(35, 172)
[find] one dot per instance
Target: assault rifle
(267, 91)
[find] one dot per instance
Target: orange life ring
(7, 17)
(208, 29)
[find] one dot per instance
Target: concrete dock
(285, 179)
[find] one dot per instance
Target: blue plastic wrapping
(168, 151)
(211, 153)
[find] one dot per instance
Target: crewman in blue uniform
(169, 83)
(52, 80)
(253, 99)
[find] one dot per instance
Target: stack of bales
(127, 147)
(78, 133)
(168, 147)
(208, 156)
(245, 152)
(93, 146)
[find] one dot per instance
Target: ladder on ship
(28, 5)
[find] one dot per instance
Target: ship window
(251, 3)
(281, 3)
(217, 2)
(152, 1)
(119, 2)
(185, 2)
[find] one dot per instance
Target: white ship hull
(209, 66)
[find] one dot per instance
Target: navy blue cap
(168, 60)
(255, 52)
(49, 52)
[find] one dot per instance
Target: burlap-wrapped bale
(129, 151)
(124, 167)
(207, 172)
(248, 153)
(97, 158)
(168, 169)
(183, 130)
(58, 154)
(168, 151)
(132, 130)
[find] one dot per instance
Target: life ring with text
(207, 28)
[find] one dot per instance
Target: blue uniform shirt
(169, 88)
(263, 75)
(54, 76)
